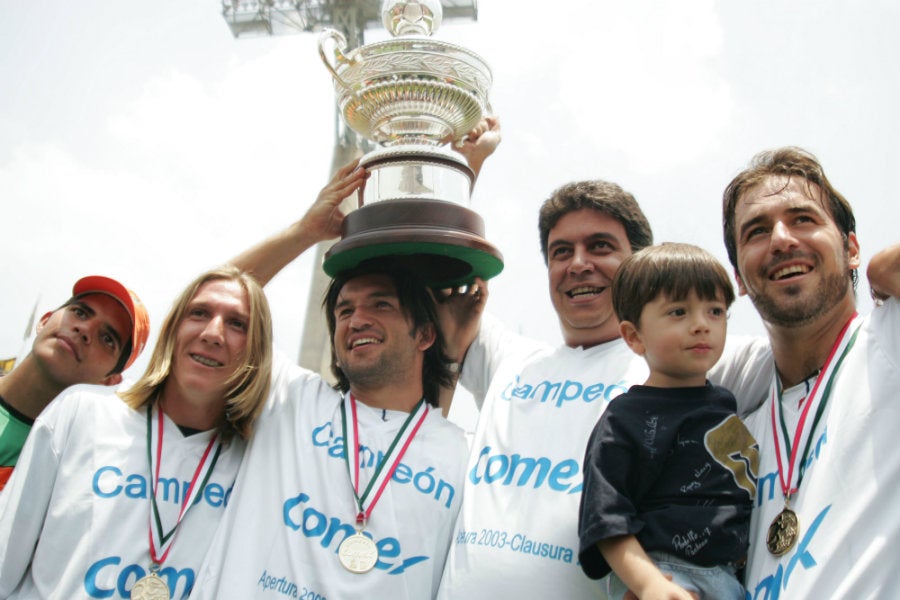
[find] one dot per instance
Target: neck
(403, 397)
(588, 338)
(186, 411)
(27, 389)
(801, 350)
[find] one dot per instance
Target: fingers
(475, 291)
(487, 124)
(346, 169)
(346, 180)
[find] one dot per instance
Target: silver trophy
(414, 96)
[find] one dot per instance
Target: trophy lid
(442, 241)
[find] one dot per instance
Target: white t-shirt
(77, 506)
(849, 499)
(294, 504)
(517, 534)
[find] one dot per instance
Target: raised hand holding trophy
(414, 96)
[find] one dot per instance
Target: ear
(426, 336)
(853, 251)
(43, 321)
(632, 337)
(112, 380)
(742, 291)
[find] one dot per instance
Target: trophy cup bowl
(407, 91)
(412, 95)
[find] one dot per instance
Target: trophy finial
(411, 17)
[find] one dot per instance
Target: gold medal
(783, 532)
(150, 587)
(358, 553)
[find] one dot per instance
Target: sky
(143, 141)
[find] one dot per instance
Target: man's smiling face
(374, 339)
(792, 260)
(584, 250)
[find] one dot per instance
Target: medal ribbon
(382, 476)
(786, 451)
(161, 541)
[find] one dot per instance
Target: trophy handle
(339, 58)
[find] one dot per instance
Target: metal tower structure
(253, 18)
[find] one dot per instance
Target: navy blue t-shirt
(676, 468)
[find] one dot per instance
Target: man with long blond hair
(349, 492)
(118, 495)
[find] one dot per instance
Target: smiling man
(348, 491)
(98, 333)
(825, 510)
(117, 495)
(517, 535)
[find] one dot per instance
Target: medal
(150, 587)
(783, 532)
(785, 528)
(358, 553)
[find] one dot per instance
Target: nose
(85, 330)
(214, 332)
(700, 323)
(782, 237)
(580, 262)
(360, 319)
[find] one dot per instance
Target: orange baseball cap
(140, 320)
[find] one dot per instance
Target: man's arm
(459, 312)
(321, 222)
(884, 273)
(24, 504)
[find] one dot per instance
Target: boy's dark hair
(602, 196)
(417, 302)
(672, 269)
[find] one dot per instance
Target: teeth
(792, 270)
(584, 291)
(363, 342)
(206, 361)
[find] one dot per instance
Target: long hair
(418, 304)
(248, 386)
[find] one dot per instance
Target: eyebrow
(795, 209)
(600, 235)
(377, 294)
(232, 312)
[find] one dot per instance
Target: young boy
(670, 470)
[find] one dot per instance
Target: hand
(324, 218)
(480, 142)
(884, 274)
(459, 312)
(663, 591)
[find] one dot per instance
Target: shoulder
(721, 394)
(293, 383)
(437, 424)
(495, 336)
(82, 399)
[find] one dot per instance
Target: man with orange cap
(98, 333)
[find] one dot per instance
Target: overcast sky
(142, 141)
